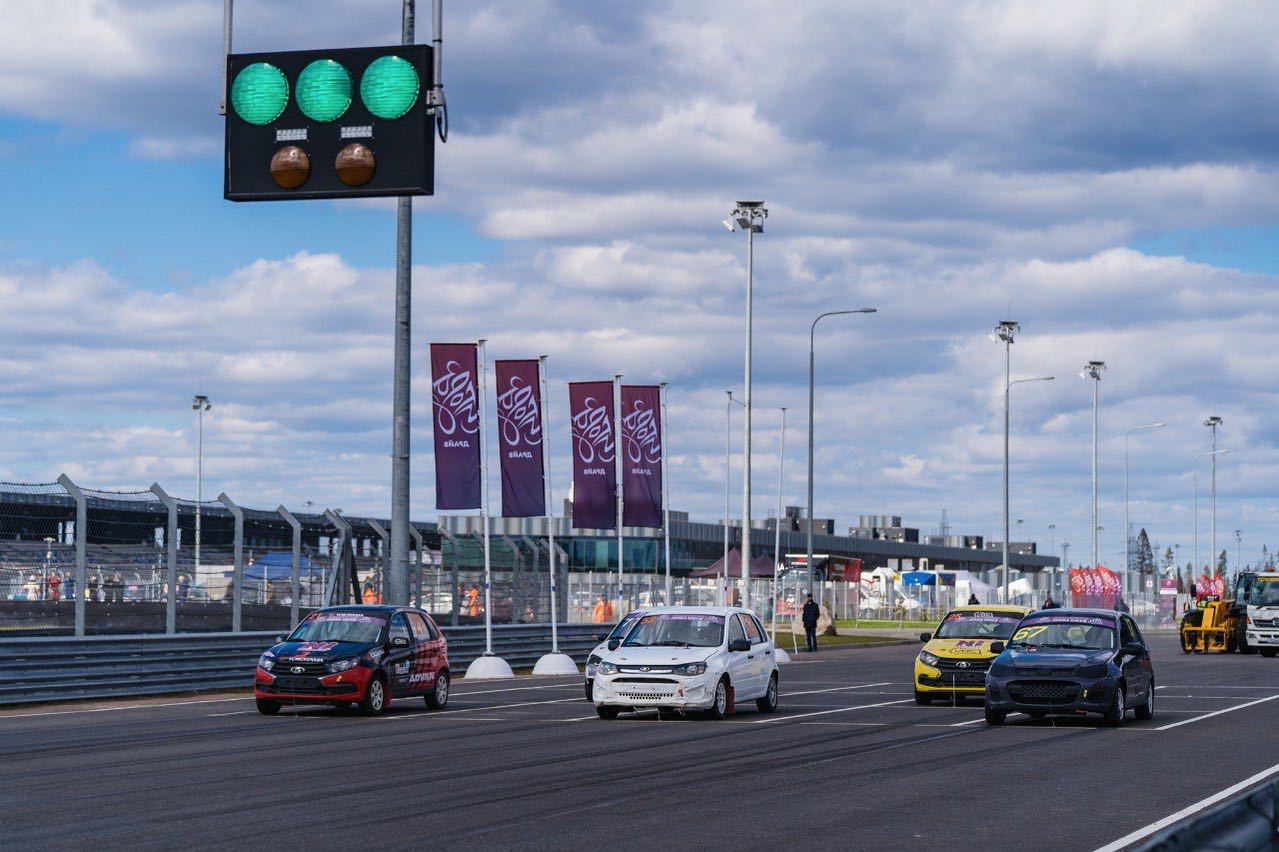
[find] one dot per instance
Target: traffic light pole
(398, 581)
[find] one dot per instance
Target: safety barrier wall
(61, 668)
(1249, 822)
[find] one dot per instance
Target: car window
(1131, 632)
(1125, 632)
(763, 632)
(421, 628)
(735, 630)
(752, 630)
(399, 627)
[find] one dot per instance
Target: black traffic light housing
(275, 151)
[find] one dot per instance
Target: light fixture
(728, 225)
(324, 90)
(260, 93)
(355, 164)
(389, 87)
(1093, 370)
(290, 167)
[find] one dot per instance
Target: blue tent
(919, 578)
(276, 566)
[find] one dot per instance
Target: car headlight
(607, 668)
(1097, 670)
(689, 669)
(927, 658)
(266, 662)
(594, 660)
(343, 665)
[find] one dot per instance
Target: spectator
(91, 587)
(598, 615)
(184, 587)
(54, 582)
(972, 600)
(117, 588)
(68, 586)
(370, 596)
(608, 611)
(810, 615)
(473, 602)
(1049, 603)
(33, 588)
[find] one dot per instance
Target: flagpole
(666, 496)
(484, 499)
(550, 511)
(617, 466)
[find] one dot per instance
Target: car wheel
(1147, 708)
(995, 717)
(589, 690)
(923, 699)
(768, 703)
(1114, 717)
(438, 698)
(268, 708)
(607, 712)
(374, 697)
(1185, 644)
(719, 704)
(1267, 652)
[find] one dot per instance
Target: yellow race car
(954, 659)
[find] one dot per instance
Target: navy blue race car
(1072, 661)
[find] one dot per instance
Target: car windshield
(624, 626)
(338, 626)
(1265, 592)
(1065, 631)
(972, 624)
(677, 630)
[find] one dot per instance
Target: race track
(849, 761)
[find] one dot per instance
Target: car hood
(658, 656)
(318, 652)
(977, 649)
(1026, 660)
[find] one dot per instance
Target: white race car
(614, 637)
(679, 659)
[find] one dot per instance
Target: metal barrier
(61, 668)
(1249, 821)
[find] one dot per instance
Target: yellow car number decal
(1029, 633)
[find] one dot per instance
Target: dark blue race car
(1072, 661)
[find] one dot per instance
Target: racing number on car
(1029, 633)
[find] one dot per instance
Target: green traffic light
(260, 93)
(324, 90)
(389, 87)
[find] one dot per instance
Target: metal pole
(617, 468)
(398, 580)
(728, 449)
(484, 500)
(237, 576)
(550, 511)
(81, 547)
(199, 479)
(226, 50)
(1095, 392)
(1214, 494)
(1008, 346)
(777, 521)
(666, 494)
(295, 587)
(746, 441)
(1195, 511)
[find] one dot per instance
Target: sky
(1103, 173)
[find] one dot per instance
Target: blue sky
(1105, 172)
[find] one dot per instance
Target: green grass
(786, 643)
(848, 622)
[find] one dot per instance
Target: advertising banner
(519, 438)
(455, 420)
(594, 455)
(1096, 588)
(642, 456)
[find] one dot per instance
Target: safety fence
(59, 669)
(1248, 822)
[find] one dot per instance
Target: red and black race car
(355, 655)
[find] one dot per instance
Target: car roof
(1065, 610)
(698, 610)
(364, 608)
(1016, 610)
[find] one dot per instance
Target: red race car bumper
(347, 686)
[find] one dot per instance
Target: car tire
(438, 697)
(1114, 717)
(1268, 652)
(1147, 709)
(923, 699)
(768, 702)
(607, 712)
(374, 700)
(268, 708)
(719, 703)
(590, 687)
(995, 717)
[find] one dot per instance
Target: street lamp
(1005, 332)
(200, 403)
(749, 217)
(1238, 551)
(1093, 370)
(812, 332)
(1195, 466)
(1212, 423)
(1127, 531)
(1052, 551)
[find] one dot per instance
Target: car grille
(644, 680)
(1265, 622)
(297, 685)
(645, 669)
(314, 669)
(646, 694)
(946, 664)
(1043, 692)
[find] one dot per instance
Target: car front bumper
(346, 686)
(930, 679)
(1056, 694)
(629, 690)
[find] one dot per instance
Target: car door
(760, 656)
(425, 654)
(1135, 667)
(1145, 664)
(740, 663)
(399, 657)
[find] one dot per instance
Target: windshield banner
(594, 455)
(642, 456)
(1090, 620)
(455, 416)
(982, 617)
(519, 438)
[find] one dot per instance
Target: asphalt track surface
(848, 761)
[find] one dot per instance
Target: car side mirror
(613, 644)
(279, 639)
(739, 645)
(600, 637)
(1132, 649)
(924, 637)
(400, 642)
(997, 647)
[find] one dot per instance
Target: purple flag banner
(642, 456)
(519, 438)
(594, 455)
(455, 416)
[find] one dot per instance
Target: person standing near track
(810, 615)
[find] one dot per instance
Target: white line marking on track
(232, 713)
(835, 689)
(458, 693)
(1218, 712)
(130, 707)
(445, 713)
(825, 712)
(1148, 830)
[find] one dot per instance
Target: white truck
(1263, 613)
